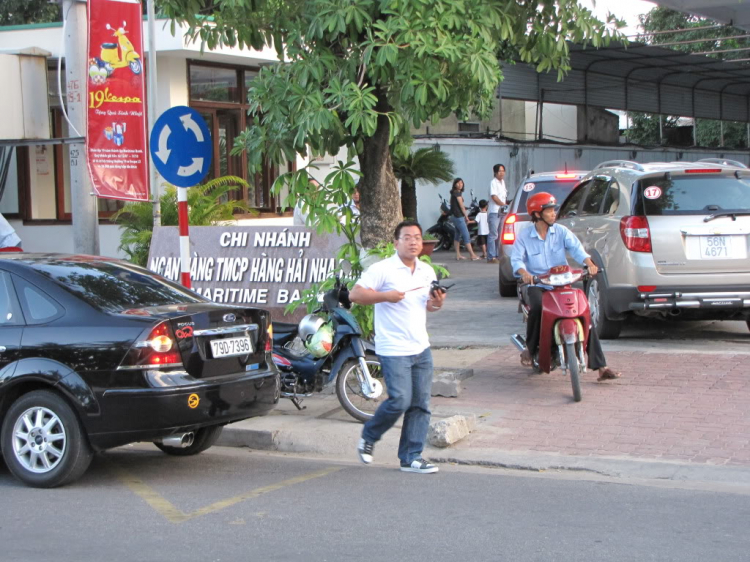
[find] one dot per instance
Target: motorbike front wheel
(135, 66)
(575, 376)
(349, 389)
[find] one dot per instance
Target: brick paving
(689, 408)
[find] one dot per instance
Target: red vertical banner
(116, 100)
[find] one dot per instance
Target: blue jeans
(494, 222)
(462, 231)
(409, 382)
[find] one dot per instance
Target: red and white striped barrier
(182, 216)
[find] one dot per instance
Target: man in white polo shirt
(399, 287)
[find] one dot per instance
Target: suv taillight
(509, 235)
(269, 337)
(157, 350)
(635, 233)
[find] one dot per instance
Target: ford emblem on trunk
(229, 318)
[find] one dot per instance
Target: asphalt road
(475, 315)
(236, 505)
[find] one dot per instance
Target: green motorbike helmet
(320, 343)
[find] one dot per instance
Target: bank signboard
(267, 266)
(116, 147)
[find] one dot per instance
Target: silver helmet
(309, 326)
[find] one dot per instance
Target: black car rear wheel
(43, 442)
(204, 438)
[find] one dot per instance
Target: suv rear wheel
(605, 328)
(508, 289)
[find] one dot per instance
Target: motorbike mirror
(124, 23)
(109, 26)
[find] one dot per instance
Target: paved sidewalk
(664, 407)
(681, 410)
(666, 419)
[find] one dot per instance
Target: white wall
(473, 160)
(59, 238)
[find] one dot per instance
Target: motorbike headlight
(561, 279)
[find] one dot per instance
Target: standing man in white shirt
(400, 288)
(498, 198)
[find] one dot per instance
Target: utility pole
(83, 202)
(151, 70)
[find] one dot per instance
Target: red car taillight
(269, 338)
(509, 234)
(158, 350)
(635, 233)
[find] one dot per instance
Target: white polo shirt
(400, 328)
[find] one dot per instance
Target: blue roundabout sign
(181, 146)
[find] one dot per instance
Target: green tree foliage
(645, 127)
(20, 12)
(429, 165)
(208, 205)
(356, 73)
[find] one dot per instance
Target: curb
(344, 446)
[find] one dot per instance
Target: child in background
(483, 227)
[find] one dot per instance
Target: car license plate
(722, 247)
(231, 346)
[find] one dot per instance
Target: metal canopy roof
(724, 11)
(639, 77)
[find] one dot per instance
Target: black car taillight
(158, 350)
(269, 337)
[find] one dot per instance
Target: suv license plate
(722, 248)
(231, 346)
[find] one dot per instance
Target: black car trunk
(215, 342)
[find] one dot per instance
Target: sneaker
(419, 465)
(365, 449)
(493, 260)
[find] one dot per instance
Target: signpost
(181, 150)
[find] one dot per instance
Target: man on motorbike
(537, 250)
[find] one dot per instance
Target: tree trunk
(379, 200)
(409, 198)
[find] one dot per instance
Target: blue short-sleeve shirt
(538, 256)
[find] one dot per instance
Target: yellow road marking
(175, 515)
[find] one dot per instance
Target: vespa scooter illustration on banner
(113, 56)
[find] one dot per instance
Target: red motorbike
(564, 327)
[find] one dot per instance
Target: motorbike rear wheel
(575, 376)
(349, 389)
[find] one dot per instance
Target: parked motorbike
(443, 230)
(327, 346)
(120, 54)
(564, 327)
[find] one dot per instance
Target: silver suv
(672, 238)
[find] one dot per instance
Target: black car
(96, 353)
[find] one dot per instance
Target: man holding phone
(403, 289)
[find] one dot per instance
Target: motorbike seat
(109, 45)
(284, 328)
